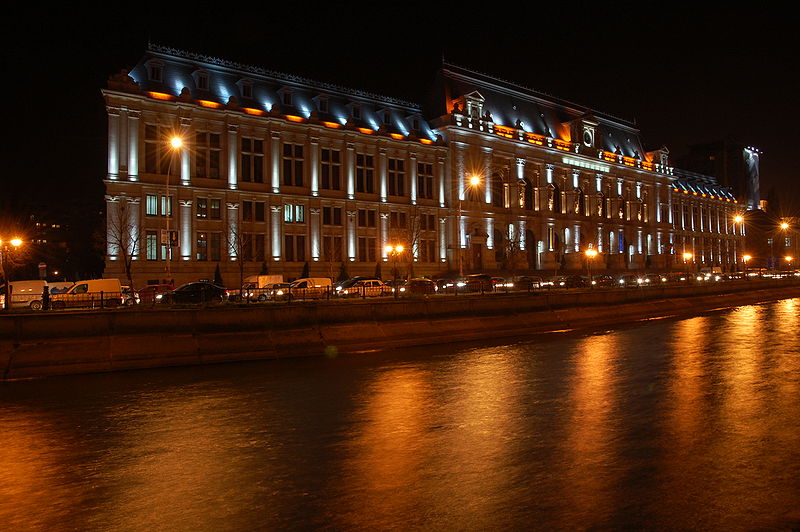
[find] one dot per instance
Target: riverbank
(44, 344)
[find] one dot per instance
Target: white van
(90, 293)
(26, 294)
(310, 288)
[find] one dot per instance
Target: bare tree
(122, 234)
(240, 245)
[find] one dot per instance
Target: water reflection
(690, 424)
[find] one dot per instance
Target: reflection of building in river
(277, 171)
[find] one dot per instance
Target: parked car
(199, 292)
(90, 293)
(421, 286)
(629, 280)
(528, 282)
(603, 280)
(478, 282)
(364, 288)
(24, 294)
(309, 288)
(153, 293)
(129, 296)
(569, 281)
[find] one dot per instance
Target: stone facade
(276, 171)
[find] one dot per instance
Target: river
(690, 424)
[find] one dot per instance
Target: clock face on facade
(587, 137)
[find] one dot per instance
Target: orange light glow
(251, 111)
(160, 96)
(209, 104)
(366, 130)
(293, 118)
(396, 136)
(333, 125)
(426, 141)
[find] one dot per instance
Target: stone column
(441, 179)
(186, 229)
(350, 169)
(134, 229)
(384, 234)
(314, 230)
(313, 158)
(133, 145)
(487, 174)
(233, 230)
(351, 235)
(113, 142)
(275, 150)
(412, 177)
(443, 238)
(233, 156)
(382, 185)
(275, 213)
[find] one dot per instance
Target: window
(157, 153)
(331, 167)
(427, 222)
(287, 97)
(166, 206)
(425, 180)
(294, 213)
(366, 249)
(332, 216)
(215, 246)
(207, 149)
(332, 248)
(397, 177)
(787, 242)
(155, 72)
(397, 220)
(366, 218)
(294, 248)
(151, 245)
(247, 89)
(252, 158)
(356, 111)
(151, 205)
(202, 81)
(260, 248)
(323, 105)
(365, 173)
(202, 246)
(214, 211)
(247, 211)
(387, 117)
(427, 251)
(292, 165)
(202, 208)
(260, 210)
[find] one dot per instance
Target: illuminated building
(276, 171)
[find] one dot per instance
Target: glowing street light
(473, 181)
(5, 247)
(591, 253)
(176, 143)
(394, 251)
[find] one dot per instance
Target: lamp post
(591, 253)
(473, 181)
(175, 143)
(788, 260)
(738, 220)
(394, 251)
(746, 258)
(5, 247)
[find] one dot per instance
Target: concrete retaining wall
(36, 345)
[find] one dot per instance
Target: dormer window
(202, 80)
(287, 98)
(387, 117)
(155, 70)
(323, 104)
(415, 124)
(246, 86)
(356, 111)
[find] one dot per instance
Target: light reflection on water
(690, 424)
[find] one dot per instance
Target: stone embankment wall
(42, 344)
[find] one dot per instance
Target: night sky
(685, 75)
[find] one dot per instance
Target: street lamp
(591, 253)
(394, 251)
(176, 143)
(746, 258)
(472, 182)
(5, 247)
(788, 260)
